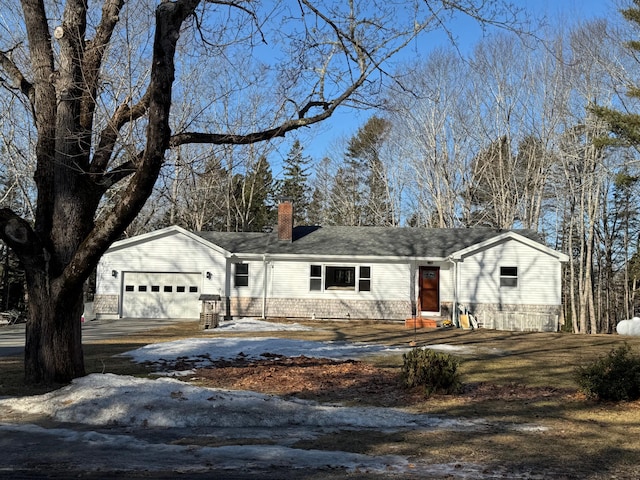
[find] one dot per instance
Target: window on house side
(364, 284)
(508, 276)
(315, 282)
(340, 278)
(241, 275)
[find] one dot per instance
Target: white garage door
(161, 295)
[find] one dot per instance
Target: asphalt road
(12, 336)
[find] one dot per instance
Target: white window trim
(242, 275)
(509, 278)
(323, 276)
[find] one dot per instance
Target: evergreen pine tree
(319, 205)
(364, 155)
(345, 202)
(624, 125)
(253, 198)
(294, 185)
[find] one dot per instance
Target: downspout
(264, 287)
(454, 308)
(414, 289)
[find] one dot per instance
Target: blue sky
(321, 139)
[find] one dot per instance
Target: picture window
(340, 278)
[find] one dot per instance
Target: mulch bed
(353, 382)
(319, 379)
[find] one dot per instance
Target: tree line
(504, 137)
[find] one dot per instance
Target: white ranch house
(507, 279)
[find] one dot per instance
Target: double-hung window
(508, 276)
(315, 279)
(241, 275)
(364, 282)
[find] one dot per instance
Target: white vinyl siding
(446, 282)
(538, 280)
(171, 253)
(291, 279)
(256, 281)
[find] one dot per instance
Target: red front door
(430, 289)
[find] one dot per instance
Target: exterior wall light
(114, 273)
(209, 275)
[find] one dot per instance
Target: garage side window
(508, 276)
(241, 277)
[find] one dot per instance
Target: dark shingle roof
(352, 241)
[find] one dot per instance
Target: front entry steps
(423, 322)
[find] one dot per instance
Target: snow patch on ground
(107, 399)
(255, 325)
(207, 350)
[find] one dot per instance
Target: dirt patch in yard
(350, 382)
(319, 379)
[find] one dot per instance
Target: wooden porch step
(420, 322)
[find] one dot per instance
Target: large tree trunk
(64, 245)
(53, 345)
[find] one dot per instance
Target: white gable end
(537, 281)
(505, 237)
(162, 274)
(160, 234)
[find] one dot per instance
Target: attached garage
(161, 294)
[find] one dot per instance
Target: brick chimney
(285, 221)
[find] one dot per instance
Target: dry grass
(514, 380)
